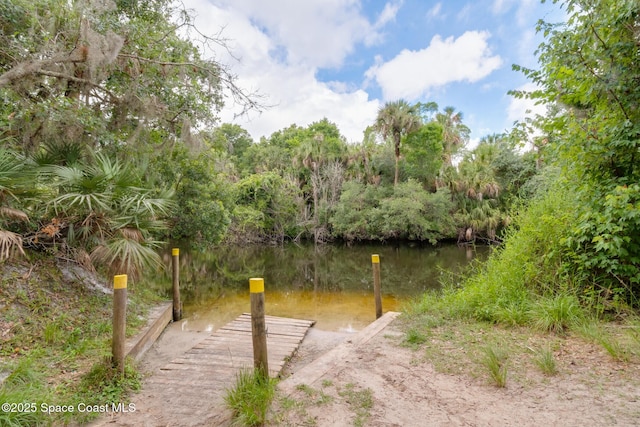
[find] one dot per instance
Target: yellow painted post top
(256, 285)
(375, 259)
(120, 281)
(175, 251)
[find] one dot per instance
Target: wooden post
(375, 260)
(177, 306)
(258, 326)
(119, 321)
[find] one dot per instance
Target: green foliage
(101, 207)
(15, 180)
(589, 79)
(106, 73)
(556, 313)
(529, 263)
(394, 121)
(231, 138)
(455, 133)
(604, 248)
(56, 346)
(423, 154)
(203, 199)
(104, 384)
(546, 362)
(406, 211)
(25, 384)
(415, 338)
(486, 185)
(127, 254)
(250, 397)
(495, 360)
(267, 206)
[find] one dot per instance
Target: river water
(331, 284)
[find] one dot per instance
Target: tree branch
(75, 79)
(248, 101)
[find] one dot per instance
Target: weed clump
(250, 397)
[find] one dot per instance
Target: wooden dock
(230, 348)
(191, 387)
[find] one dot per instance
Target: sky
(344, 59)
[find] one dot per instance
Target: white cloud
(519, 109)
(434, 12)
(501, 6)
(464, 14)
(320, 33)
(283, 65)
(412, 74)
(299, 98)
(526, 13)
(389, 13)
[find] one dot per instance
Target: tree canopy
(105, 73)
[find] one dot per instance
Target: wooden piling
(177, 306)
(258, 326)
(119, 321)
(375, 260)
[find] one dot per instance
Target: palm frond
(10, 245)
(14, 214)
(127, 256)
(15, 174)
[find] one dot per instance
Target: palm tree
(12, 181)
(106, 212)
(395, 120)
(455, 133)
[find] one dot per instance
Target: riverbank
(55, 332)
(55, 335)
(397, 378)
(392, 380)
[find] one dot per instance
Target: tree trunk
(397, 152)
(395, 179)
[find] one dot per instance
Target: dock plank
(210, 368)
(213, 363)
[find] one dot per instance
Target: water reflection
(331, 284)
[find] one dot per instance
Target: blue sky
(343, 59)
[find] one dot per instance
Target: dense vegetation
(110, 145)
(100, 160)
(577, 243)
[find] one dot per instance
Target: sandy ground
(381, 383)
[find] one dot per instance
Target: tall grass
(495, 360)
(546, 362)
(557, 313)
(528, 265)
(613, 346)
(24, 384)
(250, 397)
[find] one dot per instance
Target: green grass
(250, 397)
(56, 336)
(414, 338)
(557, 314)
(360, 401)
(546, 362)
(317, 397)
(614, 346)
(495, 360)
(25, 384)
